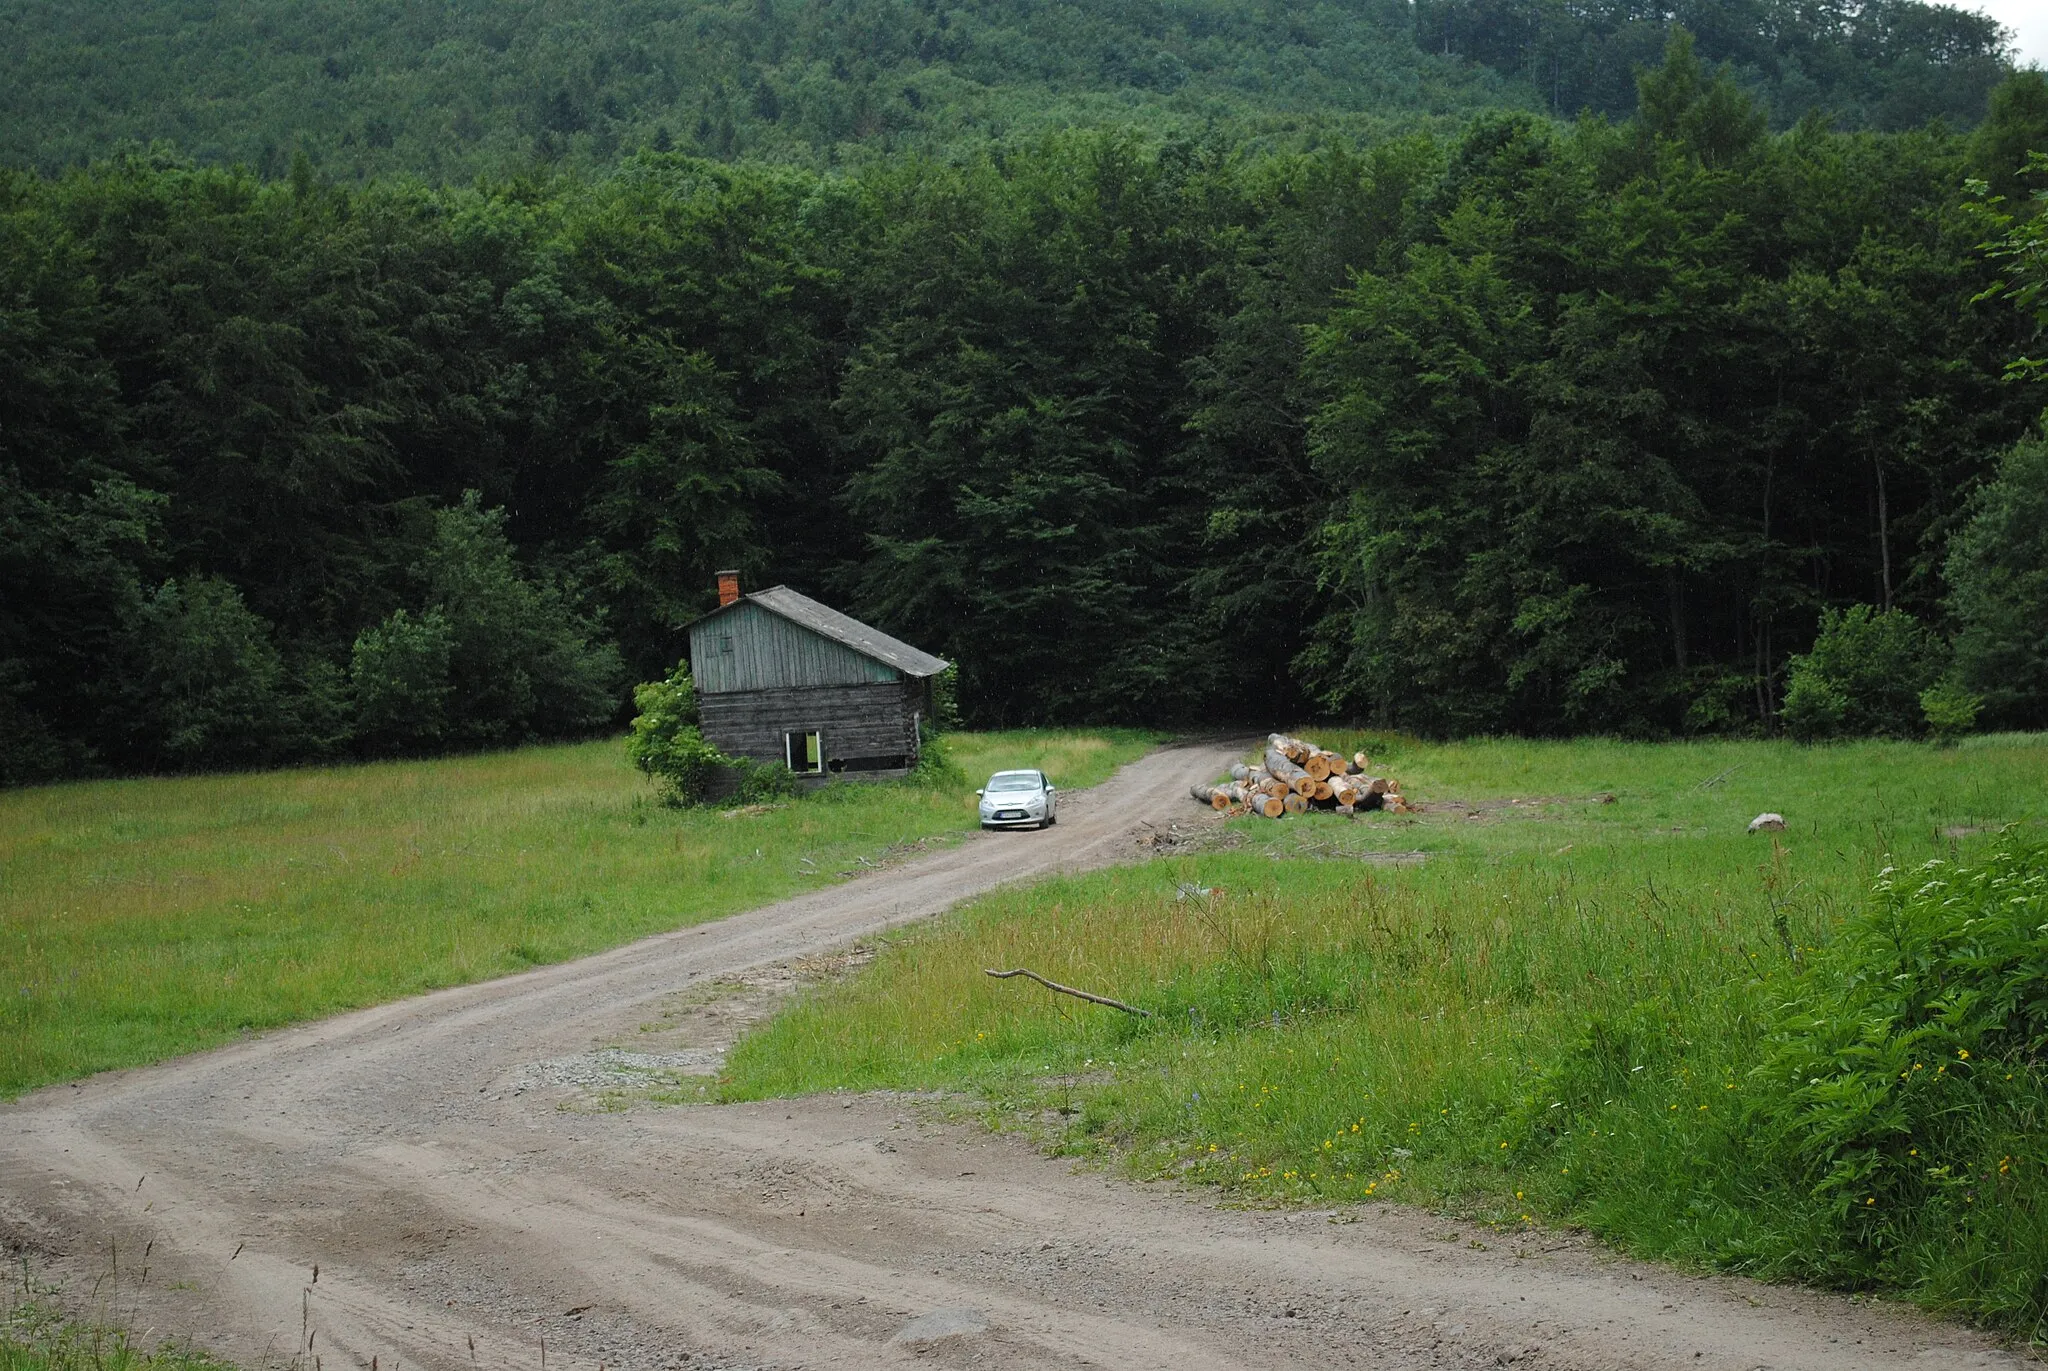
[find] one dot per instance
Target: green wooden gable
(777, 639)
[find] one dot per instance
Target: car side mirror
(980, 792)
(1050, 789)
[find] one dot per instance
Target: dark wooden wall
(877, 720)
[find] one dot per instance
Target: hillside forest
(1652, 425)
(446, 89)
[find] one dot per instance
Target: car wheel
(1052, 818)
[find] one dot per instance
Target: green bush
(1902, 1091)
(211, 690)
(665, 741)
(935, 765)
(946, 700)
(762, 782)
(1950, 710)
(521, 662)
(1998, 591)
(399, 672)
(1865, 676)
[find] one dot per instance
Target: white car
(1019, 799)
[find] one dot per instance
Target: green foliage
(1899, 1086)
(521, 662)
(358, 89)
(946, 700)
(1560, 469)
(1867, 675)
(763, 782)
(1888, 65)
(211, 687)
(1950, 710)
(35, 1336)
(1514, 427)
(2020, 248)
(665, 741)
(1709, 116)
(398, 671)
(344, 90)
(1998, 590)
(936, 768)
(2015, 125)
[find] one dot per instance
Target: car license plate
(1010, 814)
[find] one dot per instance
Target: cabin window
(806, 752)
(725, 645)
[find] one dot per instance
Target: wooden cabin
(783, 679)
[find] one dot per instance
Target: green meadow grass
(144, 918)
(1337, 1020)
(35, 1337)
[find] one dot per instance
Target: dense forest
(1533, 427)
(449, 88)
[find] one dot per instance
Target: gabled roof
(841, 628)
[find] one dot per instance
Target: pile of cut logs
(1296, 776)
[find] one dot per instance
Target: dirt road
(428, 1184)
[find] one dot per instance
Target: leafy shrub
(946, 700)
(665, 741)
(399, 671)
(763, 782)
(935, 765)
(494, 655)
(212, 686)
(1998, 591)
(521, 662)
(1902, 1092)
(1950, 710)
(1864, 676)
(1600, 1066)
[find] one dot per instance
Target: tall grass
(1558, 1015)
(36, 1335)
(140, 919)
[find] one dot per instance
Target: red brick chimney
(728, 588)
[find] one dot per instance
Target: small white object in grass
(1767, 823)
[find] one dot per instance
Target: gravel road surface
(432, 1184)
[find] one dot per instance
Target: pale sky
(2028, 19)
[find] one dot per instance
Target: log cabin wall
(856, 723)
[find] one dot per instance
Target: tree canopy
(453, 87)
(1531, 427)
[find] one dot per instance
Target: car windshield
(1014, 780)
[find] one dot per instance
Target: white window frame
(789, 753)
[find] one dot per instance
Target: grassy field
(141, 919)
(1565, 992)
(36, 1337)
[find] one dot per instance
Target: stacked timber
(1294, 776)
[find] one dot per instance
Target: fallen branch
(1069, 990)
